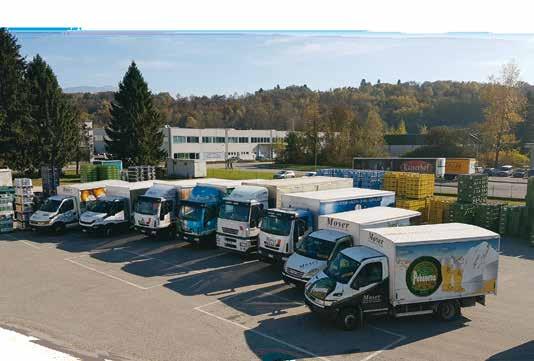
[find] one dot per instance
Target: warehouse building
(212, 144)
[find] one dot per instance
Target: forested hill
(455, 104)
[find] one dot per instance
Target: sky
(208, 63)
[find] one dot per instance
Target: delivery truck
(338, 200)
(278, 187)
(156, 210)
(457, 166)
(197, 216)
(406, 271)
(63, 210)
(114, 211)
(239, 218)
(339, 231)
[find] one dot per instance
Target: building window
(186, 155)
(207, 139)
(233, 140)
(219, 139)
(243, 139)
(192, 139)
(178, 139)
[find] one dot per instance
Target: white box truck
(63, 210)
(414, 270)
(278, 187)
(156, 210)
(339, 231)
(114, 211)
(338, 200)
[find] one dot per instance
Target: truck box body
(130, 190)
(434, 166)
(338, 200)
(85, 192)
(437, 262)
(457, 166)
(186, 168)
(226, 185)
(278, 187)
(354, 222)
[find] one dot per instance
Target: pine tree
(134, 131)
(14, 113)
(55, 121)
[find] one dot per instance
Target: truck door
(68, 212)
(299, 231)
(341, 244)
(372, 286)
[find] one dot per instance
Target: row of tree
(40, 125)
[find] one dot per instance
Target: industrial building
(212, 144)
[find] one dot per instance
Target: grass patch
(238, 174)
(69, 176)
(302, 167)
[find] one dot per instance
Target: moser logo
(371, 299)
(376, 240)
(337, 223)
(423, 276)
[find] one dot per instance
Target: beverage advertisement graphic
(358, 203)
(442, 270)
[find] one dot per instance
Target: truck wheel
(448, 310)
(348, 319)
(108, 231)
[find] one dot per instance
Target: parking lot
(135, 298)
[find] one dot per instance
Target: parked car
(310, 174)
(520, 173)
(504, 171)
(489, 171)
(283, 174)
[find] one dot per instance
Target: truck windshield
(278, 224)
(99, 206)
(315, 248)
(191, 212)
(235, 211)
(148, 206)
(50, 205)
(342, 268)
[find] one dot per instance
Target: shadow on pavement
(517, 247)
(518, 353)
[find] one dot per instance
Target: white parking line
(106, 274)
(388, 346)
(294, 347)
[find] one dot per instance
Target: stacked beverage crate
(461, 213)
(473, 188)
(437, 209)
(371, 179)
(514, 221)
(391, 180)
(88, 173)
(6, 209)
(106, 171)
(23, 202)
(412, 190)
(141, 173)
(50, 177)
(488, 216)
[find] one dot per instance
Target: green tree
(134, 131)
(401, 129)
(15, 140)
(373, 134)
(55, 120)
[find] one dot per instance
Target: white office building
(213, 144)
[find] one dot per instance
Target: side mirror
(356, 284)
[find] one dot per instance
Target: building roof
(434, 233)
(374, 215)
(342, 194)
(361, 252)
(328, 234)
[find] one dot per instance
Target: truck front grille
(230, 230)
(294, 272)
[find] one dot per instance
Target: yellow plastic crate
(409, 185)
(437, 209)
(412, 204)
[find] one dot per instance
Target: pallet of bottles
(412, 204)
(50, 177)
(515, 221)
(488, 216)
(409, 185)
(437, 209)
(88, 173)
(461, 213)
(370, 179)
(141, 173)
(473, 188)
(6, 213)
(105, 171)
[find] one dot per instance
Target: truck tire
(448, 310)
(348, 319)
(108, 231)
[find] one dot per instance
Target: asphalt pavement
(135, 298)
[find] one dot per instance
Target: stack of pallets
(106, 171)
(488, 216)
(141, 173)
(50, 177)
(437, 209)
(6, 209)
(23, 202)
(412, 190)
(461, 213)
(514, 221)
(370, 179)
(88, 173)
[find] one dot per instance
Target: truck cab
(281, 229)
(354, 283)
(312, 254)
(106, 215)
(197, 216)
(239, 218)
(155, 210)
(56, 213)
